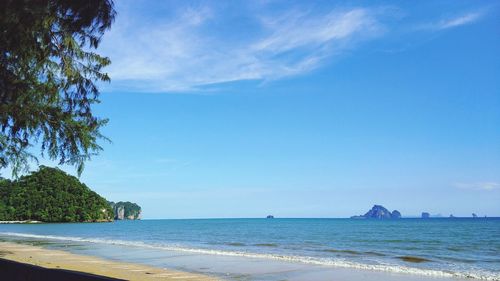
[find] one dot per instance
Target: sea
(285, 249)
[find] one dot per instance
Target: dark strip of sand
(17, 271)
(48, 264)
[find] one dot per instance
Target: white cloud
(454, 22)
(462, 20)
(488, 186)
(296, 30)
(185, 52)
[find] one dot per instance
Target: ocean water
(445, 248)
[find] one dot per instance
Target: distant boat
(270, 217)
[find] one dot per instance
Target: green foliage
(130, 210)
(51, 195)
(48, 76)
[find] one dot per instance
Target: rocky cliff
(379, 212)
(126, 210)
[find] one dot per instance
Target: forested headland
(51, 195)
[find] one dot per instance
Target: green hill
(51, 195)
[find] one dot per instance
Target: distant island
(126, 210)
(51, 195)
(379, 212)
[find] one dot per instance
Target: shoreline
(229, 268)
(274, 251)
(20, 222)
(339, 265)
(84, 265)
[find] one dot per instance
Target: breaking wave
(337, 262)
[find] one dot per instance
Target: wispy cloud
(478, 186)
(186, 50)
(462, 20)
(453, 22)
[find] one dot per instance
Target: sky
(301, 109)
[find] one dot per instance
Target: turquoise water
(456, 248)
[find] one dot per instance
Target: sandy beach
(18, 222)
(55, 259)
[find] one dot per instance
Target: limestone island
(126, 210)
(379, 212)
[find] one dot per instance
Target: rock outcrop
(379, 212)
(119, 212)
(126, 210)
(395, 214)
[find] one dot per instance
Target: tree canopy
(49, 72)
(51, 195)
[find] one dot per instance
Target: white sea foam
(480, 275)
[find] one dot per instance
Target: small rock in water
(413, 259)
(395, 214)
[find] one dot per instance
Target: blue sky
(301, 109)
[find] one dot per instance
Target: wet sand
(71, 266)
(230, 268)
